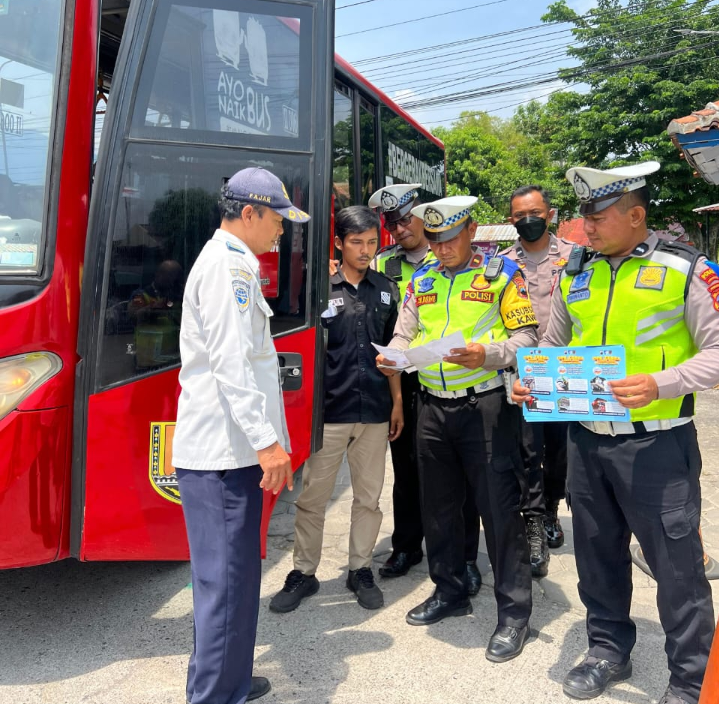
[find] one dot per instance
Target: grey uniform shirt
(541, 269)
(702, 320)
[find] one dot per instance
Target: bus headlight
(21, 375)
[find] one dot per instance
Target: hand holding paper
(433, 352)
(472, 356)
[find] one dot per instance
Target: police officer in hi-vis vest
(661, 301)
(399, 261)
(466, 429)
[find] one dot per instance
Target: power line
(457, 57)
(430, 82)
(420, 19)
(591, 15)
(553, 51)
(570, 76)
(443, 48)
(454, 96)
(364, 2)
(372, 73)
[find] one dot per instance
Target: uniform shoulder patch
(241, 291)
(234, 248)
(510, 267)
(520, 284)
(241, 274)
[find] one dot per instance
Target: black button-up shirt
(355, 390)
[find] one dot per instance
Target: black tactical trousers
(474, 440)
(408, 532)
(646, 484)
(544, 453)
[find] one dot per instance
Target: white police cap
(598, 189)
(444, 219)
(395, 201)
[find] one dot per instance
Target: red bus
(119, 121)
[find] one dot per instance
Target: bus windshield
(29, 53)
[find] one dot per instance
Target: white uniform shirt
(231, 401)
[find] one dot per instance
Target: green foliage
(482, 212)
(490, 157)
(634, 74)
(639, 74)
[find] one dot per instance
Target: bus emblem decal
(162, 473)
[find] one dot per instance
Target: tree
(490, 157)
(640, 75)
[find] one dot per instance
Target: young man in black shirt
(362, 411)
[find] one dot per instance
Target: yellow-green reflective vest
(639, 305)
(402, 271)
(468, 303)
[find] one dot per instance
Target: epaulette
(385, 249)
(234, 248)
(425, 268)
(679, 249)
(683, 251)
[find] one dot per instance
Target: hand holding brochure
(423, 356)
(572, 383)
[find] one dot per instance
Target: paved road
(120, 633)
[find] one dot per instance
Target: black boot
(552, 526)
(538, 549)
(473, 577)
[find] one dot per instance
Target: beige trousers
(366, 446)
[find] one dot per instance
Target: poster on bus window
(572, 383)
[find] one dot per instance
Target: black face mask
(531, 228)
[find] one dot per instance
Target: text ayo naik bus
(91, 287)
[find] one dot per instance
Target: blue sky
(517, 56)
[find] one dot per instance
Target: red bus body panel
(35, 456)
(125, 517)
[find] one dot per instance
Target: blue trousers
(222, 514)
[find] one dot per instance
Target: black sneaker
(297, 587)
(552, 527)
(361, 582)
(538, 549)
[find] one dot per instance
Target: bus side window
(343, 176)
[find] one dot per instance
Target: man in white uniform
(231, 438)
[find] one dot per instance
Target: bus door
(202, 88)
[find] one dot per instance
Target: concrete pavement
(121, 633)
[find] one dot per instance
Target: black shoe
(671, 697)
(297, 587)
(361, 582)
(399, 563)
(552, 527)
(538, 549)
(259, 687)
(433, 610)
(592, 676)
(506, 643)
(473, 577)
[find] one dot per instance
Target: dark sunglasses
(405, 221)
